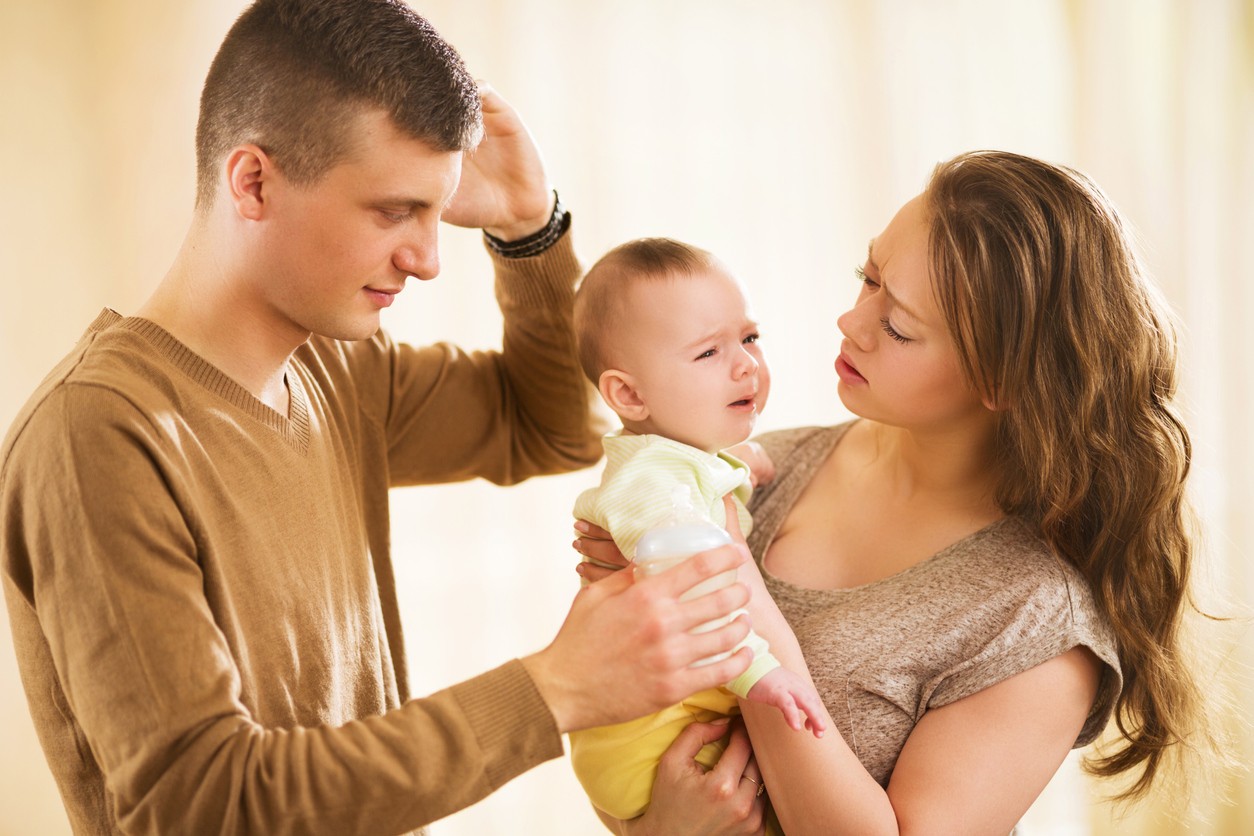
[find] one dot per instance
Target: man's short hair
(292, 76)
(600, 303)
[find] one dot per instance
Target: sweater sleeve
(505, 415)
(110, 612)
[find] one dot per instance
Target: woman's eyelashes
(891, 331)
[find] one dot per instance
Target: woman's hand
(596, 544)
(753, 454)
(726, 801)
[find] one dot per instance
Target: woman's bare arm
(970, 767)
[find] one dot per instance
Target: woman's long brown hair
(1056, 323)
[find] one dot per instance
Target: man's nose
(419, 254)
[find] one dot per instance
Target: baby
(666, 335)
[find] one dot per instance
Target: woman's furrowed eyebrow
(870, 257)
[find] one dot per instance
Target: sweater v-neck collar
(293, 427)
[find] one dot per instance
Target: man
(193, 505)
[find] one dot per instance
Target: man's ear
(620, 393)
(248, 172)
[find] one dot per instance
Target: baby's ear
(620, 394)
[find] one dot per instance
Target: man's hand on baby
(795, 697)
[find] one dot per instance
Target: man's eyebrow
(402, 201)
(411, 202)
(870, 257)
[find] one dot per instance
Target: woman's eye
(893, 332)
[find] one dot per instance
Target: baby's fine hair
(600, 303)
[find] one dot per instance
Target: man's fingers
(730, 600)
(700, 567)
(612, 583)
(692, 680)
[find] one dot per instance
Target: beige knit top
(981, 610)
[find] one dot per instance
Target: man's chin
(362, 329)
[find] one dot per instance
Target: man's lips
(847, 371)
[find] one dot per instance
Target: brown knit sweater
(201, 590)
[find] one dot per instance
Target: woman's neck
(956, 463)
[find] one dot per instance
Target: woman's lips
(846, 370)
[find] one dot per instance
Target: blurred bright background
(780, 135)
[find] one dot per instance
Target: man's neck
(206, 302)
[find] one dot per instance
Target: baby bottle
(682, 534)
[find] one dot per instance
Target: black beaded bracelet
(536, 242)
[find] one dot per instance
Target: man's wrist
(538, 241)
(550, 691)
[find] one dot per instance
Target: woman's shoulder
(1016, 568)
(1022, 604)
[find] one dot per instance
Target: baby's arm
(753, 454)
(794, 696)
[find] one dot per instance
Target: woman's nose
(855, 324)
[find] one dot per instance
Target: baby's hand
(794, 697)
(761, 468)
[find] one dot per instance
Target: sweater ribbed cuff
(545, 281)
(513, 724)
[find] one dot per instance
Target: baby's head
(666, 334)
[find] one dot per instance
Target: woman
(993, 559)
